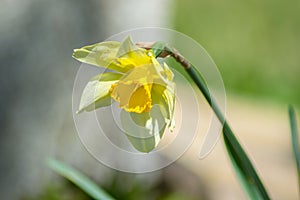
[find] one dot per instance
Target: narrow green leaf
(243, 166)
(78, 179)
(294, 132)
(240, 161)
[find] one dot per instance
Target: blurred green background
(254, 43)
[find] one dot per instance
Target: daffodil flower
(142, 87)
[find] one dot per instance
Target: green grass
(254, 43)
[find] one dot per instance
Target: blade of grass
(78, 179)
(242, 165)
(294, 133)
(240, 161)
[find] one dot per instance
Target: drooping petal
(96, 92)
(159, 100)
(101, 54)
(134, 59)
(144, 130)
(164, 97)
(169, 96)
(167, 73)
(163, 93)
(126, 47)
(132, 56)
(114, 55)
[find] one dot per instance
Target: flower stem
(233, 145)
(241, 162)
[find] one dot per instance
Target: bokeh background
(254, 43)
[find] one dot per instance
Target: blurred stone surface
(36, 77)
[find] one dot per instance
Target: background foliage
(254, 43)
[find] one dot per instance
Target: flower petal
(169, 95)
(132, 96)
(114, 55)
(96, 92)
(101, 54)
(127, 46)
(131, 56)
(167, 73)
(164, 97)
(144, 130)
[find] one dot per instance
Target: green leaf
(243, 166)
(96, 92)
(294, 133)
(78, 179)
(144, 130)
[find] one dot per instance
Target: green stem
(241, 163)
(229, 137)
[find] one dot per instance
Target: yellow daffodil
(142, 87)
